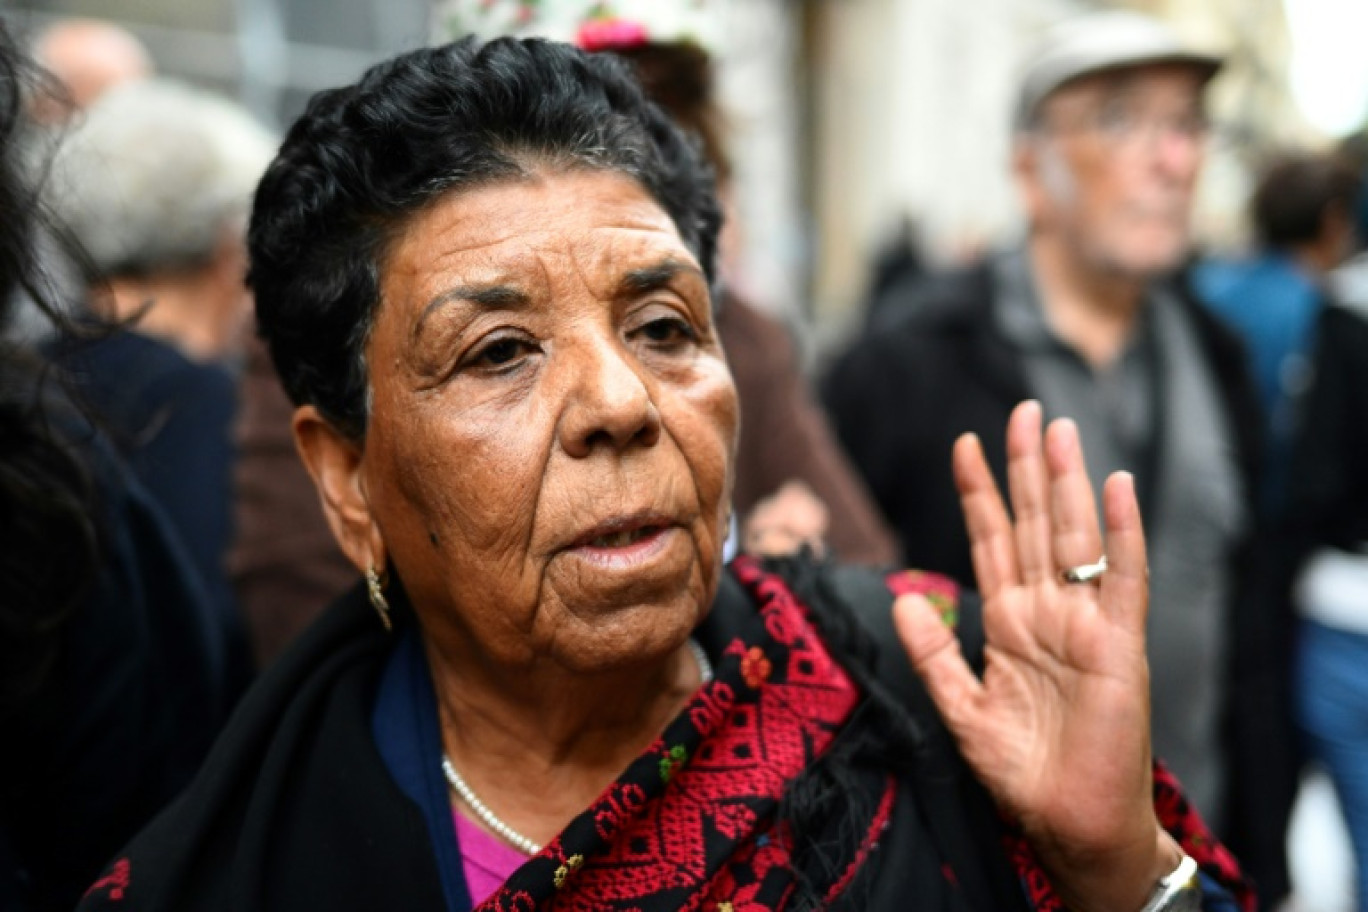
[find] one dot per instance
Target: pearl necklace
(487, 817)
(491, 820)
(705, 672)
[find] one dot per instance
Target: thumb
(934, 651)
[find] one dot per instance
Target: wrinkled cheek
(721, 404)
(488, 513)
(719, 462)
(473, 509)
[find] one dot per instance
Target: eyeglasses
(1127, 127)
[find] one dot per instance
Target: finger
(935, 654)
(985, 517)
(1125, 585)
(1077, 539)
(1028, 484)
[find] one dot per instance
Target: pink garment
(486, 860)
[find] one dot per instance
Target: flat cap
(1097, 42)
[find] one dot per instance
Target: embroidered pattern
(942, 592)
(672, 761)
(755, 667)
(116, 882)
(572, 864)
(690, 824)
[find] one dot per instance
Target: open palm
(1058, 726)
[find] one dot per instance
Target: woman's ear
(335, 461)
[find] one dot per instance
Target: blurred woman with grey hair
(155, 186)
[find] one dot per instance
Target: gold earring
(375, 587)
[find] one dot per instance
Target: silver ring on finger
(1085, 573)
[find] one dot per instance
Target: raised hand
(1058, 727)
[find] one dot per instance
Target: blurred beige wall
(911, 117)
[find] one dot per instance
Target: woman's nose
(607, 403)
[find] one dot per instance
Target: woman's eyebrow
(649, 278)
(486, 297)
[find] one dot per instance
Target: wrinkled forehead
(1169, 84)
(529, 235)
(511, 205)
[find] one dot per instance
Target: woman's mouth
(624, 538)
(622, 531)
(627, 542)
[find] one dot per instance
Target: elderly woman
(484, 273)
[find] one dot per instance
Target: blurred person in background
(84, 59)
(1279, 300)
(155, 185)
(1109, 139)
(113, 679)
(898, 268)
(1303, 213)
(1349, 282)
(87, 57)
(1324, 515)
(284, 564)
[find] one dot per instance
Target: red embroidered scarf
(691, 824)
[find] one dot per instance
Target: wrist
(1180, 891)
(1122, 880)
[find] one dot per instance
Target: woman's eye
(668, 331)
(499, 352)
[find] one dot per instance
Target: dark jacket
(171, 419)
(902, 395)
(139, 690)
(1328, 490)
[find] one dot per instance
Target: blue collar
(404, 725)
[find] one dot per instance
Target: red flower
(755, 667)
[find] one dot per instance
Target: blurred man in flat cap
(1086, 316)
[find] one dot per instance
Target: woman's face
(548, 455)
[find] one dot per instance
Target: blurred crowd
(163, 543)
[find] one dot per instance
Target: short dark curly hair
(364, 159)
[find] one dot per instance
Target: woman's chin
(631, 600)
